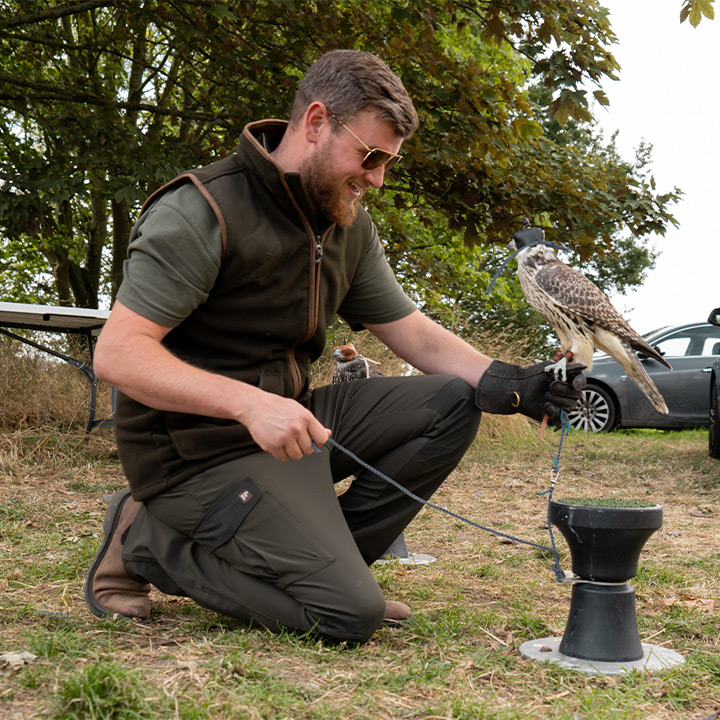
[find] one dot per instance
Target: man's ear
(314, 119)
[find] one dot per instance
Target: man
(235, 271)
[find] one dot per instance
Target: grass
(605, 502)
(473, 607)
(457, 659)
(37, 390)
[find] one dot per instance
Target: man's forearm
(431, 348)
(146, 371)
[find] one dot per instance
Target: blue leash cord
(564, 429)
(559, 574)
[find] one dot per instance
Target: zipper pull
(318, 249)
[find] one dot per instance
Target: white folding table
(68, 320)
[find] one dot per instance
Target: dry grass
(38, 390)
(473, 607)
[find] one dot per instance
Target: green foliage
(695, 9)
(105, 101)
(24, 275)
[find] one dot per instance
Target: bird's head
(344, 353)
(526, 243)
(527, 237)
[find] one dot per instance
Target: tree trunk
(121, 236)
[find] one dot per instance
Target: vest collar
(258, 139)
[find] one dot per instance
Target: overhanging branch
(53, 13)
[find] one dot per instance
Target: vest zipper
(315, 284)
(314, 299)
(313, 307)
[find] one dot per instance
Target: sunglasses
(375, 156)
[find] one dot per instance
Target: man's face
(334, 177)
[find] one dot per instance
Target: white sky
(668, 95)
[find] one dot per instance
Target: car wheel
(595, 412)
(714, 430)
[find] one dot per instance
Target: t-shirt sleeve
(375, 295)
(174, 257)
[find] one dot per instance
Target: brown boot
(396, 613)
(109, 590)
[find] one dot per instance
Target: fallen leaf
(688, 601)
(15, 660)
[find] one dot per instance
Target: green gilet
(280, 283)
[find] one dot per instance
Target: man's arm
(130, 356)
(431, 348)
(500, 388)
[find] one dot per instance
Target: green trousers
(272, 543)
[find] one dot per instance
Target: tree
(104, 100)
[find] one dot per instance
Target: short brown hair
(350, 81)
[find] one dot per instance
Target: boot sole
(109, 527)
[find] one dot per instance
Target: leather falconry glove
(505, 389)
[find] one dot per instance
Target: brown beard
(326, 191)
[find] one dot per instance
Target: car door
(691, 351)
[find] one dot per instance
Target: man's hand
(283, 427)
(505, 389)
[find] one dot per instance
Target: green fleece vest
(280, 284)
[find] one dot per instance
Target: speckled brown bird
(350, 365)
(581, 314)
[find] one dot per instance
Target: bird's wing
(572, 291)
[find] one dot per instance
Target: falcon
(580, 313)
(350, 365)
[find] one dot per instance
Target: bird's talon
(559, 369)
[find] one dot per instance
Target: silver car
(612, 400)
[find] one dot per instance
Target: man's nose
(376, 176)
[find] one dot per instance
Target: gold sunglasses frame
(390, 162)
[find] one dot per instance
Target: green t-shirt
(175, 255)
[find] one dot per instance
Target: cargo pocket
(226, 515)
(256, 534)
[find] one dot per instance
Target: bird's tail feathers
(652, 352)
(639, 376)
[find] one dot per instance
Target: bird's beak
(512, 245)
(338, 354)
